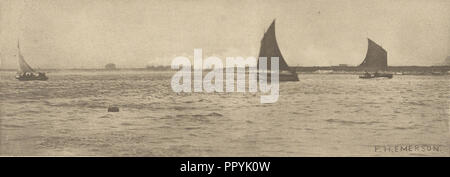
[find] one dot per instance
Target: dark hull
(285, 77)
(32, 78)
(289, 77)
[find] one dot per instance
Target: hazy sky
(134, 33)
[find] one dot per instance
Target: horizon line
(169, 66)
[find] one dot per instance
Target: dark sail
(269, 48)
(376, 58)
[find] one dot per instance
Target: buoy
(113, 109)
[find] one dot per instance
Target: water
(322, 115)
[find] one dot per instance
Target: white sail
(23, 65)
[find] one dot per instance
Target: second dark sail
(376, 58)
(375, 61)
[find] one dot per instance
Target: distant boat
(447, 61)
(269, 48)
(110, 66)
(26, 73)
(437, 73)
(375, 61)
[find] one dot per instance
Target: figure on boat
(27, 76)
(269, 48)
(26, 73)
(375, 61)
(367, 74)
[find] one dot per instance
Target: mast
(269, 48)
(376, 57)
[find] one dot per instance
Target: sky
(136, 33)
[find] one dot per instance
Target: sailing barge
(375, 61)
(26, 73)
(269, 48)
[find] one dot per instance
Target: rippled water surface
(322, 115)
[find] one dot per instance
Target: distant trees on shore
(158, 68)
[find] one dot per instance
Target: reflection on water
(322, 115)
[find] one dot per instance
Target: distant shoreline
(407, 70)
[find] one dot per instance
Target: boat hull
(293, 77)
(284, 76)
(389, 76)
(32, 78)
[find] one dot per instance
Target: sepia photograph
(224, 78)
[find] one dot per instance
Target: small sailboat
(269, 48)
(26, 73)
(375, 61)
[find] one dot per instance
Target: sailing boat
(269, 48)
(376, 60)
(26, 73)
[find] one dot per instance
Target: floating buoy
(113, 109)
